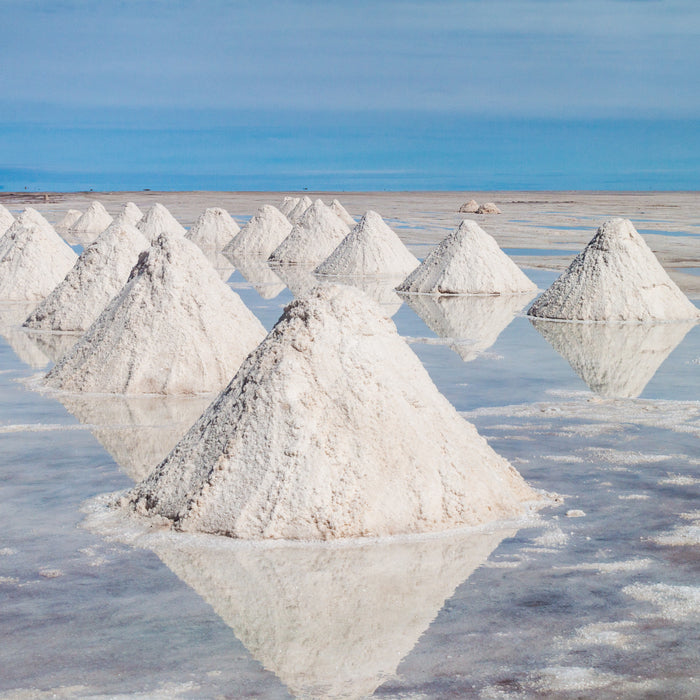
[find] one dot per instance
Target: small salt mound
(371, 248)
(6, 220)
(615, 278)
(322, 434)
(94, 220)
(175, 328)
(470, 207)
(342, 213)
(130, 214)
(33, 259)
(468, 261)
(261, 235)
(99, 273)
(213, 229)
(159, 220)
(67, 222)
(313, 238)
(288, 203)
(488, 208)
(299, 209)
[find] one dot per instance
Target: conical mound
(94, 220)
(615, 278)
(470, 207)
(71, 216)
(130, 214)
(321, 435)
(468, 261)
(213, 229)
(159, 220)
(175, 328)
(261, 235)
(27, 218)
(299, 209)
(99, 273)
(313, 238)
(343, 214)
(371, 248)
(288, 203)
(6, 220)
(33, 260)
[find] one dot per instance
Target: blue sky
(349, 90)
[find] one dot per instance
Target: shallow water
(601, 603)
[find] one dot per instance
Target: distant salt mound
(94, 220)
(69, 220)
(488, 208)
(299, 209)
(321, 435)
(342, 213)
(159, 220)
(6, 220)
(288, 203)
(97, 276)
(467, 261)
(470, 207)
(615, 278)
(371, 248)
(213, 229)
(175, 328)
(313, 238)
(130, 214)
(261, 235)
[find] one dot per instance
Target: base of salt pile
(331, 428)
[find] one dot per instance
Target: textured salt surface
(342, 213)
(71, 216)
(175, 328)
(214, 228)
(488, 208)
(261, 235)
(28, 217)
(615, 278)
(94, 220)
(467, 261)
(288, 203)
(346, 401)
(130, 214)
(159, 220)
(6, 220)
(470, 207)
(298, 210)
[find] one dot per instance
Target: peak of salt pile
(174, 328)
(6, 220)
(25, 218)
(213, 229)
(342, 213)
(261, 235)
(71, 216)
(615, 278)
(130, 214)
(470, 207)
(322, 434)
(288, 203)
(313, 238)
(159, 220)
(299, 209)
(371, 248)
(98, 274)
(467, 261)
(94, 220)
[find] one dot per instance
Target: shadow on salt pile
(258, 273)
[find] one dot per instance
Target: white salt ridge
(159, 220)
(174, 328)
(97, 276)
(467, 261)
(6, 220)
(288, 203)
(313, 238)
(615, 278)
(94, 220)
(371, 248)
(130, 214)
(342, 213)
(299, 209)
(319, 436)
(267, 228)
(72, 215)
(214, 228)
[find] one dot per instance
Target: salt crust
(6, 220)
(299, 209)
(615, 278)
(371, 248)
(313, 238)
(467, 261)
(677, 603)
(130, 214)
(342, 213)
(174, 328)
(159, 220)
(214, 228)
(470, 207)
(318, 437)
(98, 274)
(71, 216)
(267, 228)
(94, 220)
(288, 203)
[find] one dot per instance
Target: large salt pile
(159, 220)
(175, 328)
(28, 217)
(99, 273)
(130, 214)
(267, 228)
(67, 222)
(94, 220)
(299, 209)
(313, 238)
(322, 434)
(214, 228)
(342, 213)
(288, 203)
(467, 261)
(6, 220)
(615, 278)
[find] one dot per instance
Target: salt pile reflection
(259, 274)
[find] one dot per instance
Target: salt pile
(261, 235)
(371, 248)
(99, 273)
(321, 435)
(213, 229)
(615, 278)
(313, 238)
(174, 328)
(130, 214)
(467, 261)
(67, 222)
(488, 208)
(6, 220)
(288, 203)
(94, 220)
(159, 220)
(25, 218)
(342, 213)
(299, 208)
(470, 207)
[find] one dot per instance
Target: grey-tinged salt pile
(94, 220)
(71, 216)
(159, 220)
(470, 207)
(6, 220)
(174, 328)
(488, 208)
(267, 228)
(614, 359)
(130, 214)
(313, 238)
(615, 278)
(371, 248)
(33, 259)
(288, 203)
(97, 276)
(342, 213)
(299, 209)
(467, 261)
(321, 435)
(214, 228)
